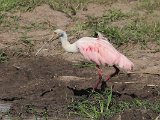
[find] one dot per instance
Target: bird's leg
(99, 75)
(108, 77)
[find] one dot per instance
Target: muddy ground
(40, 82)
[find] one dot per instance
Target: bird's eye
(60, 34)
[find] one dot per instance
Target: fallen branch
(41, 48)
(50, 40)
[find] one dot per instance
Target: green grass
(70, 7)
(137, 31)
(94, 108)
(26, 40)
(110, 16)
(105, 105)
(7, 5)
(31, 110)
(114, 15)
(67, 6)
(24, 5)
(12, 23)
(19, 52)
(3, 56)
(148, 5)
(37, 26)
(9, 22)
(83, 64)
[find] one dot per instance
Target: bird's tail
(125, 63)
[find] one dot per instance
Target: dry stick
(41, 48)
(45, 44)
(157, 118)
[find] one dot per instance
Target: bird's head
(59, 33)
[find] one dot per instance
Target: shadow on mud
(88, 91)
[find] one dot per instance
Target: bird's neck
(67, 45)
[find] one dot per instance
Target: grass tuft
(84, 64)
(104, 105)
(149, 5)
(69, 7)
(9, 22)
(3, 56)
(94, 108)
(26, 39)
(37, 26)
(114, 15)
(136, 31)
(24, 5)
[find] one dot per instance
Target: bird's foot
(108, 77)
(94, 88)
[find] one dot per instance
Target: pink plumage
(102, 52)
(97, 50)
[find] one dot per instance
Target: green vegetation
(9, 22)
(149, 5)
(30, 109)
(137, 30)
(83, 64)
(3, 56)
(12, 23)
(25, 5)
(95, 107)
(105, 105)
(27, 40)
(37, 26)
(67, 6)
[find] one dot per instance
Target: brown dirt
(40, 82)
(135, 115)
(48, 15)
(92, 9)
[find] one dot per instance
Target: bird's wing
(98, 50)
(102, 52)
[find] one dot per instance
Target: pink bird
(97, 50)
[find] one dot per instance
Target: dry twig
(50, 40)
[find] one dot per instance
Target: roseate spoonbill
(97, 50)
